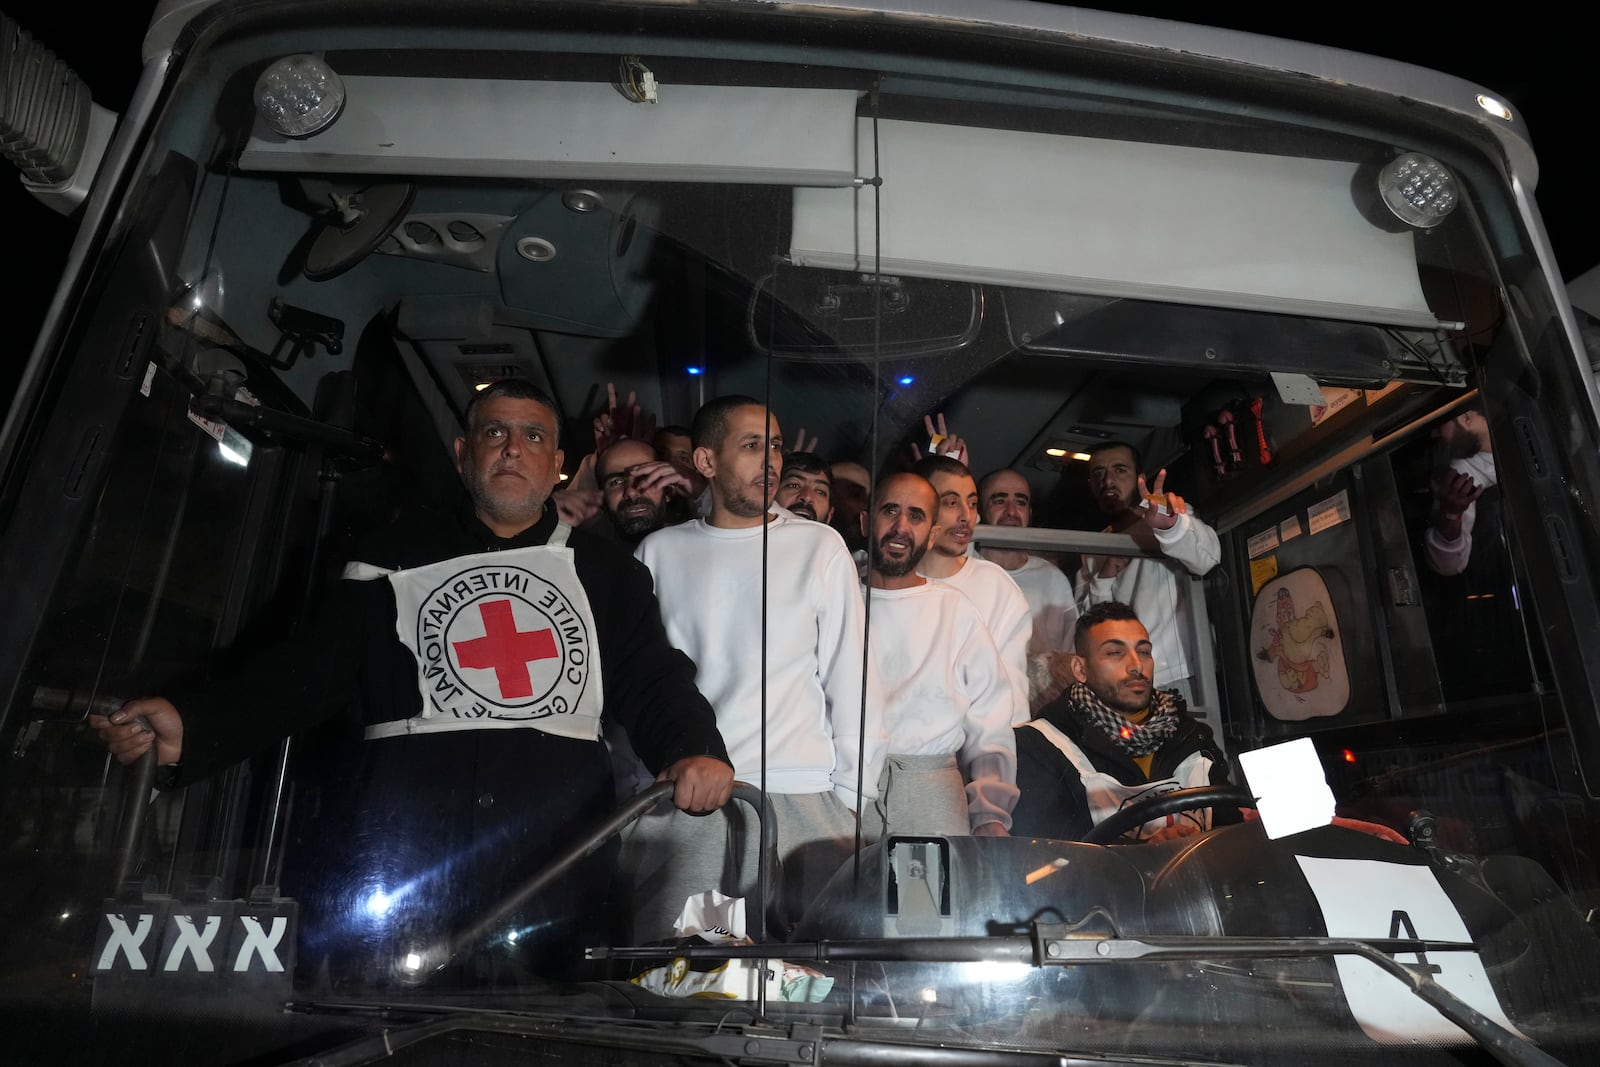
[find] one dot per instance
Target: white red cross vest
(1107, 795)
(502, 640)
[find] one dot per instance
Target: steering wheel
(1227, 797)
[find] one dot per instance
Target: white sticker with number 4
(1368, 899)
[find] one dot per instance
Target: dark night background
(1543, 64)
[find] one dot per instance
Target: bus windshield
(1042, 467)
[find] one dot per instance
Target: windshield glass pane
(958, 455)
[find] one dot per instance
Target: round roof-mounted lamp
(1419, 190)
(299, 96)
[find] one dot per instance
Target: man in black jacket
(1111, 740)
(477, 650)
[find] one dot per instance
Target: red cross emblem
(506, 650)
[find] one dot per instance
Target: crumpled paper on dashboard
(715, 919)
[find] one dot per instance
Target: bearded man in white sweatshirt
(952, 762)
(746, 577)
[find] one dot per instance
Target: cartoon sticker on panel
(1297, 651)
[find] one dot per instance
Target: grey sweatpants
(918, 795)
(669, 856)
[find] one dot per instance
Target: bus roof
(1333, 66)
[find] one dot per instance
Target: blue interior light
(907, 380)
(693, 370)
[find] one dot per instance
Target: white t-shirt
(1005, 610)
(1050, 600)
(946, 691)
(709, 581)
(1158, 592)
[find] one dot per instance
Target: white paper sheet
(1371, 899)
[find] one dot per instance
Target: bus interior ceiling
(699, 295)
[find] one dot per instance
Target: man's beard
(1113, 508)
(897, 568)
(803, 509)
(1461, 446)
(636, 526)
(944, 547)
(738, 499)
(524, 509)
(1129, 705)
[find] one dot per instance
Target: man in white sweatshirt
(952, 762)
(998, 600)
(1006, 499)
(1156, 589)
(745, 577)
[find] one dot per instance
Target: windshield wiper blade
(732, 1044)
(798, 1044)
(1067, 945)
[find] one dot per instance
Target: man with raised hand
(479, 650)
(951, 767)
(1001, 604)
(1469, 476)
(640, 492)
(715, 576)
(1157, 589)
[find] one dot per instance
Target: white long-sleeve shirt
(708, 580)
(1158, 592)
(1051, 602)
(1004, 610)
(1450, 557)
(946, 691)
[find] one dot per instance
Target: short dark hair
(1138, 457)
(807, 463)
(1110, 611)
(928, 466)
(517, 389)
(675, 430)
(711, 421)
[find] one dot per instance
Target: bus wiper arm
(1059, 944)
(1067, 945)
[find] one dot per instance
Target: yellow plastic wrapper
(711, 918)
(736, 980)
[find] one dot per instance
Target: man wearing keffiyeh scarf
(1139, 738)
(1111, 739)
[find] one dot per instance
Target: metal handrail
(75, 705)
(590, 842)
